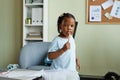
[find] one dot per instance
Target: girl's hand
(66, 46)
(78, 64)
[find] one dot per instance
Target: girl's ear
(59, 30)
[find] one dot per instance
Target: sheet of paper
(107, 4)
(115, 12)
(24, 74)
(95, 13)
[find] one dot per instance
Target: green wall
(98, 46)
(10, 31)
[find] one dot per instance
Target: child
(62, 49)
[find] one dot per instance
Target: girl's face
(67, 26)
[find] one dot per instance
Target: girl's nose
(69, 27)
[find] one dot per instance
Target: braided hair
(61, 18)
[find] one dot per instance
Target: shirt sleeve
(53, 46)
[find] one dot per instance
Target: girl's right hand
(66, 46)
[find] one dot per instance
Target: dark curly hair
(61, 18)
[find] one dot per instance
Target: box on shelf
(37, 14)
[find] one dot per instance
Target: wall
(10, 31)
(98, 46)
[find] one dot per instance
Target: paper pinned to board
(115, 12)
(107, 4)
(107, 15)
(95, 13)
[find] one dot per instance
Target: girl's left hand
(78, 64)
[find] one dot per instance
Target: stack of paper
(23, 74)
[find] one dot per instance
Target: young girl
(62, 49)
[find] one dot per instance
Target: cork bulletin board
(102, 11)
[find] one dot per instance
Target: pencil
(69, 37)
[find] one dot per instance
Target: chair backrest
(33, 54)
(76, 23)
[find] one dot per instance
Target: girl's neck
(62, 35)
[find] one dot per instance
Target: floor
(88, 77)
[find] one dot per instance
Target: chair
(76, 23)
(32, 56)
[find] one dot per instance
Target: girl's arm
(55, 54)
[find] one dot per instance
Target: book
(34, 34)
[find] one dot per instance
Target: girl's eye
(65, 25)
(72, 25)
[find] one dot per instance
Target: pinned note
(107, 4)
(95, 13)
(116, 9)
(108, 16)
